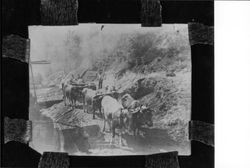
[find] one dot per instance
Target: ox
(97, 106)
(92, 99)
(98, 99)
(70, 94)
(139, 117)
(129, 102)
(88, 96)
(115, 116)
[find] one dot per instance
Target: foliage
(143, 49)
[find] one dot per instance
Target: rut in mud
(60, 131)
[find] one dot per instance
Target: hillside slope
(156, 70)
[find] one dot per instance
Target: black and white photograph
(110, 89)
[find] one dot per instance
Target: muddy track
(66, 119)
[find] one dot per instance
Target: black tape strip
(200, 34)
(59, 12)
(151, 13)
(54, 160)
(17, 130)
(16, 47)
(168, 160)
(27, 51)
(202, 132)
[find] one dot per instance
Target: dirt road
(65, 118)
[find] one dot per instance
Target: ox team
(114, 108)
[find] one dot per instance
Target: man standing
(100, 78)
(72, 79)
(79, 79)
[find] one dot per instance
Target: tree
(72, 48)
(143, 45)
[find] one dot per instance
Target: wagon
(81, 86)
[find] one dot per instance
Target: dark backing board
(17, 15)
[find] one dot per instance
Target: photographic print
(110, 89)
